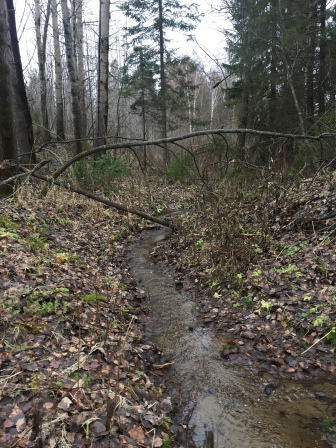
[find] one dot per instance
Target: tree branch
(130, 144)
(116, 205)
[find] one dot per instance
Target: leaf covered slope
(73, 364)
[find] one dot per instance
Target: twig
(319, 340)
(27, 173)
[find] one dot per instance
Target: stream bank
(219, 404)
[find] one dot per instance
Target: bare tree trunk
(41, 56)
(72, 69)
(58, 75)
(311, 57)
(163, 87)
(103, 51)
(16, 136)
(244, 118)
(80, 59)
(289, 72)
(322, 59)
(273, 80)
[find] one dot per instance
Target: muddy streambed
(222, 405)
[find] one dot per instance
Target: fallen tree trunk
(116, 205)
(131, 144)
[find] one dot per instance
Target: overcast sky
(207, 36)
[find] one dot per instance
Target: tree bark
(72, 70)
(311, 56)
(58, 74)
(322, 59)
(80, 63)
(103, 51)
(289, 72)
(16, 132)
(163, 86)
(41, 56)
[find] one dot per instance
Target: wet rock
(166, 405)
(291, 361)
(321, 395)
(331, 438)
(270, 388)
(247, 335)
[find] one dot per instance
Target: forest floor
(75, 369)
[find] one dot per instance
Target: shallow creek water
(222, 405)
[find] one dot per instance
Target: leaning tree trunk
(103, 49)
(58, 74)
(72, 69)
(16, 134)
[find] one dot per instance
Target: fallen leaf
(137, 434)
(21, 424)
(65, 404)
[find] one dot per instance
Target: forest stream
(222, 405)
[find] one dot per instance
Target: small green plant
(290, 269)
(247, 301)
(16, 393)
(239, 276)
(327, 424)
(132, 390)
(200, 243)
(65, 221)
(180, 169)
(37, 242)
(313, 310)
(331, 337)
(86, 426)
(93, 298)
(320, 320)
(265, 305)
(290, 251)
(256, 273)
(7, 223)
(6, 233)
(166, 442)
(107, 281)
(45, 308)
(87, 380)
(101, 173)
